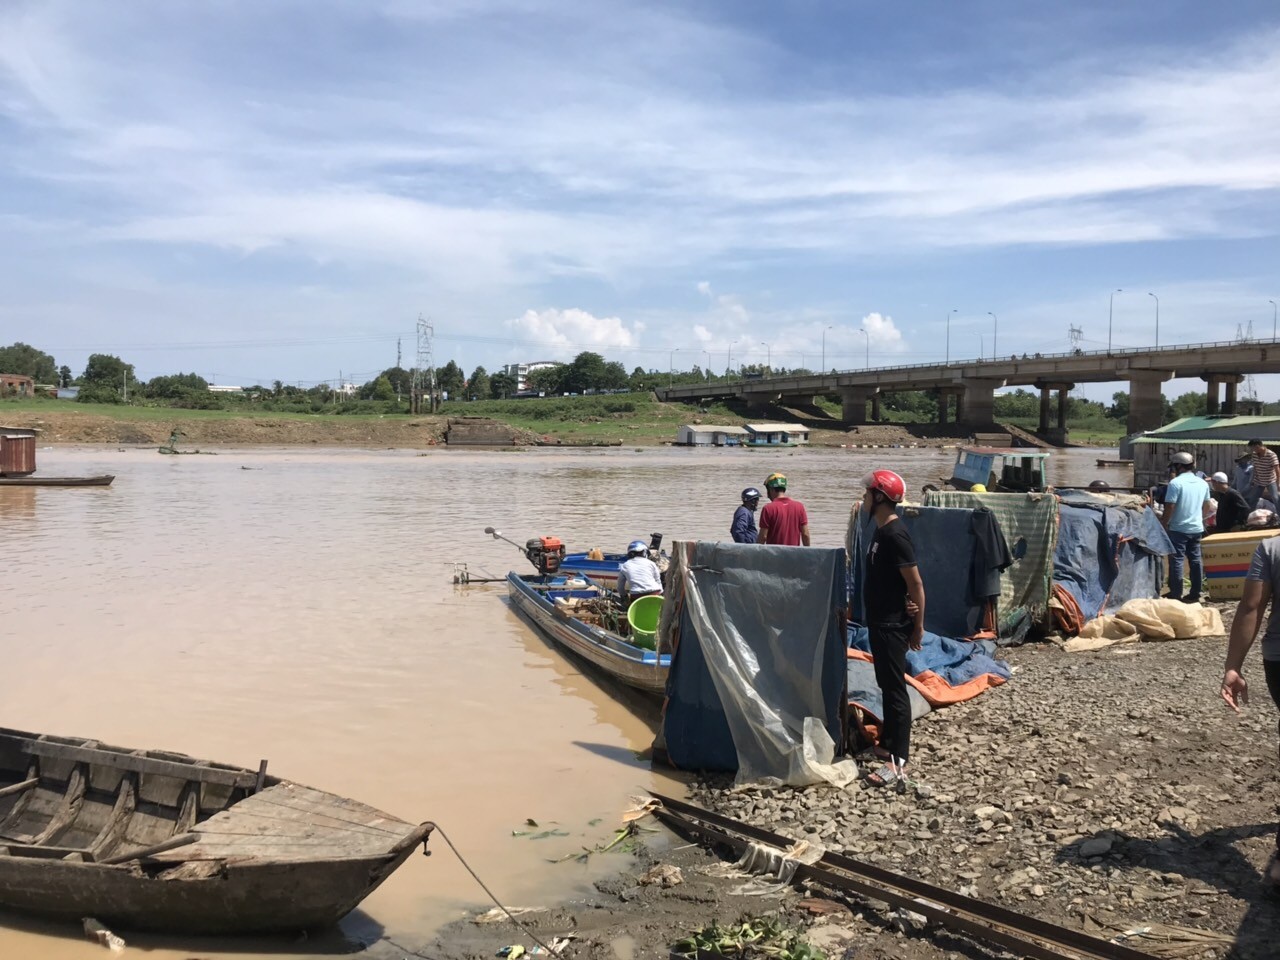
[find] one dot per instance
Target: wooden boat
(1115, 463)
(1000, 469)
(535, 596)
(100, 481)
(151, 840)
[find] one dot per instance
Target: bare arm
(1244, 630)
(804, 534)
(915, 593)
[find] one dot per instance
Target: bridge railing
(991, 361)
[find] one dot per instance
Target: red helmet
(887, 482)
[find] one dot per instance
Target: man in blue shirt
(743, 529)
(1186, 504)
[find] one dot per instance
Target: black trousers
(889, 648)
(1272, 668)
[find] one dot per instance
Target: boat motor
(545, 553)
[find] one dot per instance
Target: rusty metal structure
(17, 451)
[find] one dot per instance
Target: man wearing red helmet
(892, 580)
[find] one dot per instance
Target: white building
(520, 371)
(707, 435)
(224, 388)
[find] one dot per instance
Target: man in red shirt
(783, 520)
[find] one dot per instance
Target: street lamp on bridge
(768, 352)
(867, 363)
(728, 364)
(949, 334)
(824, 347)
(995, 332)
(1157, 300)
(1111, 306)
(671, 369)
(1273, 318)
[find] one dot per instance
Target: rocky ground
(1108, 788)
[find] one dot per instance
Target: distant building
(224, 388)
(17, 385)
(348, 389)
(520, 371)
(776, 434)
(1216, 441)
(706, 435)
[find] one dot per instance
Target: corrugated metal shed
(17, 451)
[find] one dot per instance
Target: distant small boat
(30, 481)
(1115, 463)
(536, 596)
(152, 840)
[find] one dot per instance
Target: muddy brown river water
(297, 605)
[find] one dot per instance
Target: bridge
(969, 386)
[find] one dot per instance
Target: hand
(1235, 690)
(912, 609)
(917, 639)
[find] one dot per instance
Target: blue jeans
(1185, 545)
(1256, 493)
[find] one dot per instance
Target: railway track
(986, 922)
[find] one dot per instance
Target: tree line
(109, 379)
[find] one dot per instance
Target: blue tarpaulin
(1108, 554)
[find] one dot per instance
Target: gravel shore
(1109, 788)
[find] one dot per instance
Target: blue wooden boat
(602, 572)
(547, 601)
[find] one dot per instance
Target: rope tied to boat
(498, 903)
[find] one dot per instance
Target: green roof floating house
(1216, 441)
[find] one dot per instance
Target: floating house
(776, 434)
(707, 435)
(1216, 441)
(17, 451)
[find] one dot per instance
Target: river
(297, 605)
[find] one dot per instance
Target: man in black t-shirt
(892, 580)
(1233, 509)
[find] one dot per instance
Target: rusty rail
(986, 922)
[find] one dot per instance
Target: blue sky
(254, 191)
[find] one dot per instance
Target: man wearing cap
(638, 576)
(1233, 509)
(1265, 466)
(783, 520)
(743, 529)
(1186, 504)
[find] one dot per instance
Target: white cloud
(704, 288)
(567, 333)
(884, 335)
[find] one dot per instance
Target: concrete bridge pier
(976, 405)
(1230, 381)
(875, 406)
(853, 404)
(757, 402)
(1146, 405)
(1053, 429)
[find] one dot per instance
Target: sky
(258, 191)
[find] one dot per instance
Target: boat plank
(132, 762)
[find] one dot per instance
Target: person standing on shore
(1186, 504)
(1265, 464)
(1261, 584)
(743, 529)
(892, 582)
(783, 520)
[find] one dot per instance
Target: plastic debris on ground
(498, 915)
(96, 931)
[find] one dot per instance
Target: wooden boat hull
(151, 840)
(100, 481)
(642, 669)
